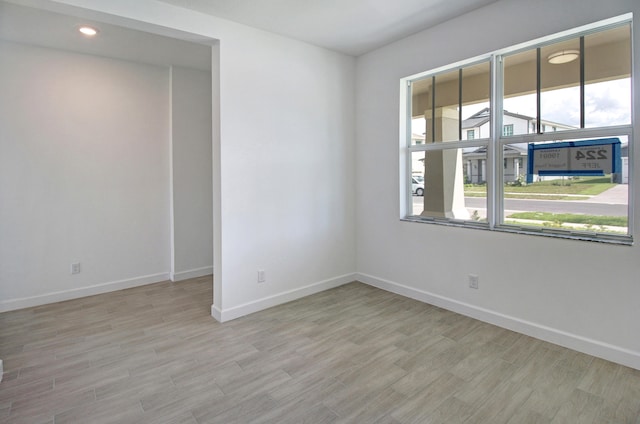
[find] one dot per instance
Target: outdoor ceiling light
(563, 56)
(88, 31)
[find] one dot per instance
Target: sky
(607, 103)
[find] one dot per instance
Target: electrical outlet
(473, 281)
(75, 268)
(262, 276)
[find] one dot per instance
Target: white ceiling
(53, 30)
(353, 27)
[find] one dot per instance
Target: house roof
(477, 119)
(510, 150)
(482, 117)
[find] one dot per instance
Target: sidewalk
(617, 195)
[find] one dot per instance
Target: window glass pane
(607, 88)
(476, 88)
(560, 86)
(417, 182)
(583, 203)
(436, 106)
(454, 184)
(445, 118)
(515, 164)
(520, 108)
(420, 101)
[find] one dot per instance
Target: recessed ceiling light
(88, 31)
(563, 56)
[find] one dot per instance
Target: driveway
(616, 195)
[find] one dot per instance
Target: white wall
(286, 169)
(191, 191)
(284, 192)
(84, 174)
(580, 294)
(520, 126)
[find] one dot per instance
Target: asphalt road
(554, 206)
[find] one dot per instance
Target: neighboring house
(623, 176)
(515, 163)
(417, 138)
(478, 125)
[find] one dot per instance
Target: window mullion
(494, 191)
(408, 112)
(460, 104)
(433, 109)
(538, 87)
(582, 76)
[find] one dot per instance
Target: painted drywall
(284, 192)
(191, 179)
(84, 174)
(580, 294)
(287, 171)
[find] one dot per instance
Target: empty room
(222, 211)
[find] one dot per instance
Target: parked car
(417, 185)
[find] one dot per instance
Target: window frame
(407, 148)
(496, 142)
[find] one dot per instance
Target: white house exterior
(478, 125)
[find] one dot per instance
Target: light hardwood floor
(354, 354)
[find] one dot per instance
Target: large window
(440, 104)
(533, 139)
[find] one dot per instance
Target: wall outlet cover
(473, 281)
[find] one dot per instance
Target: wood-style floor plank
(354, 354)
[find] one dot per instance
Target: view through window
(547, 154)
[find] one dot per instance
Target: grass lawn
(579, 189)
(616, 221)
(537, 196)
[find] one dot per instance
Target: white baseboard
(192, 273)
(576, 342)
(280, 298)
(216, 313)
(59, 296)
